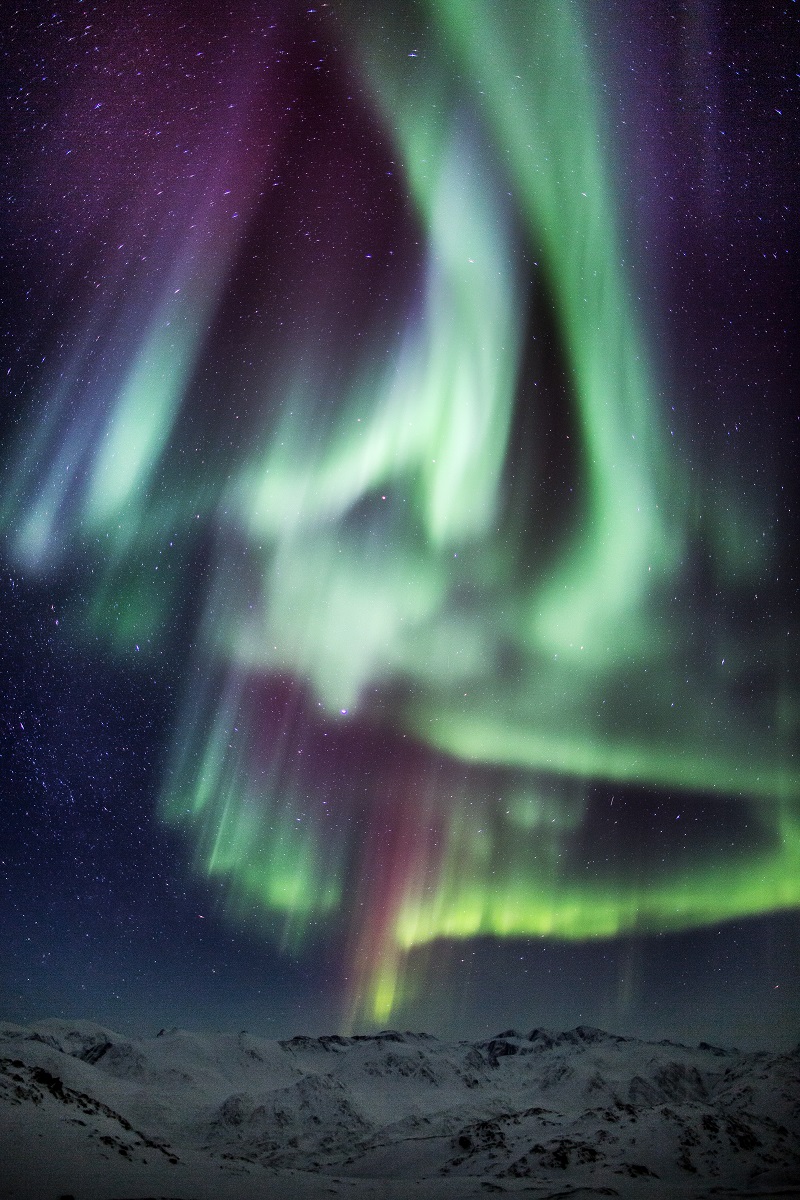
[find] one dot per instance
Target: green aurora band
(383, 554)
(433, 592)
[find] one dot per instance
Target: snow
(87, 1112)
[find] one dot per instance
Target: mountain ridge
(226, 1114)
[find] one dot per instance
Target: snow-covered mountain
(88, 1113)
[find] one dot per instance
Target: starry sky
(399, 517)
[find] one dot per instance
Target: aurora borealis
(402, 417)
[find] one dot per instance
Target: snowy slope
(89, 1113)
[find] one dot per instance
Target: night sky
(399, 517)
